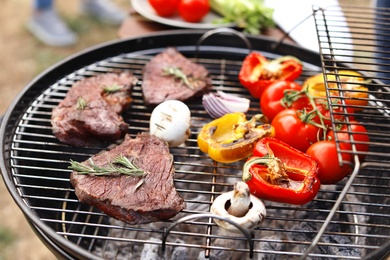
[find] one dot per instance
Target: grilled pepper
(257, 72)
(231, 137)
(281, 173)
(352, 85)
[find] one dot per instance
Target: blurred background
(23, 58)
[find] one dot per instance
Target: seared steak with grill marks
(158, 85)
(121, 196)
(90, 112)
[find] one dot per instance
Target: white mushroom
(170, 121)
(239, 206)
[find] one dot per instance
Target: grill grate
(351, 217)
(363, 47)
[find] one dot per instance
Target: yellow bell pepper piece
(355, 94)
(231, 137)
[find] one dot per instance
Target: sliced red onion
(220, 103)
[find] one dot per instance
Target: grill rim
(63, 69)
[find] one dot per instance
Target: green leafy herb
(120, 165)
(81, 103)
(112, 89)
(179, 74)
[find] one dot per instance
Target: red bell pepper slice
(281, 173)
(257, 72)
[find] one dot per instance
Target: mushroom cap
(170, 121)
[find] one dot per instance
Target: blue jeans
(42, 4)
(383, 41)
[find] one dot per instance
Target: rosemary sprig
(81, 103)
(179, 74)
(112, 89)
(120, 165)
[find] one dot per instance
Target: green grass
(6, 239)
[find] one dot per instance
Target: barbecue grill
(348, 220)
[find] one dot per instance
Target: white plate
(305, 33)
(146, 10)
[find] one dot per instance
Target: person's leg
(47, 26)
(383, 40)
(104, 10)
(42, 4)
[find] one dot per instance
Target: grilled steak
(90, 112)
(159, 85)
(121, 196)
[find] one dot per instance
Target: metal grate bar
(353, 50)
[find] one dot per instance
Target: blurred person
(382, 34)
(46, 25)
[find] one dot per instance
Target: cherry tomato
(339, 113)
(193, 10)
(165, 8)
(291, 129)
(271, 99)
(358, 133)
(330, 171)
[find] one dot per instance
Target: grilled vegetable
(274, 98)
(170, 122)
(220, 104)
(257, 72)
(250, 15)
(352, 85)
(330, 171)
(231, 138)
(297, 128)
(300, 118)
(352, 133)
(239, 206)
(281, 173)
